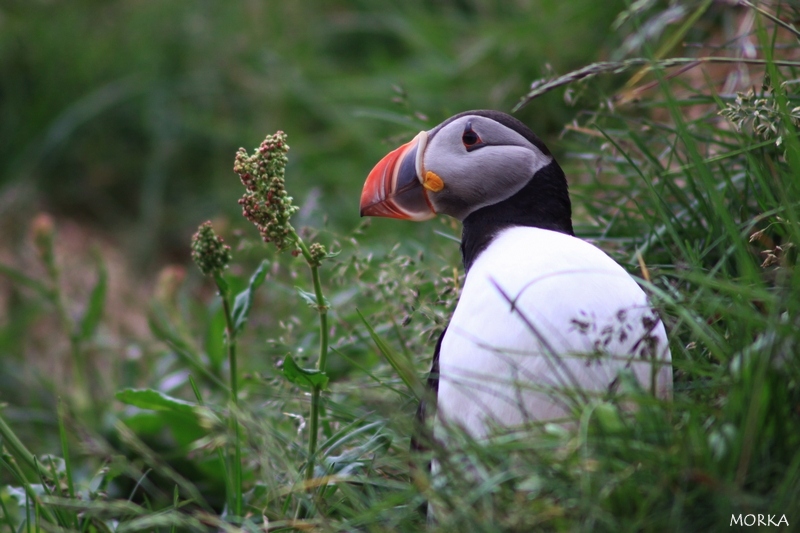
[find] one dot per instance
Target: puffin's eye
(471, 139)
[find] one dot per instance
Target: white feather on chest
(579, 320)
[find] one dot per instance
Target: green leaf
(185, 430)
(310, 298)
(215, 338)
(97, 300)
(244, 300)
(144, 423)
(401, 364)
(303, 377)
(18, 276)
(155, 401)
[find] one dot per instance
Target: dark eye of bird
(470, 138)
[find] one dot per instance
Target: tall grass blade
(401, 365)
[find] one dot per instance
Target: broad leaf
(144, 423)
(310, 298)
(303, 377)
(155, 400)
(244, 300)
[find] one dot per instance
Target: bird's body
(544, 318)
(543, 314)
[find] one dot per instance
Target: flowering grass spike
(209, 251)
(266, 202)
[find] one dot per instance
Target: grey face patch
(482, 176)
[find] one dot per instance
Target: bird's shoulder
(552, 278)
(518, 256)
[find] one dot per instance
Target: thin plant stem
(6, 515)
(18, 449)
(316, 391)
(79, 367)
(16, 471)
(543, 86)
(62, 430)
(230, 332)
(220, 455)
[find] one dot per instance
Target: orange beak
(394, 189)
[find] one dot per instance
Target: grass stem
(236, 462)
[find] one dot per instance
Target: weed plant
(690, 185)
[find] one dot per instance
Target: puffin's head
(471, 160)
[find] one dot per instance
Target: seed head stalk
(313, 261)
(267, 205)
(44, 236)
(212, 257)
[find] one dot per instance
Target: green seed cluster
(266, 203)
(318, 253)
(209, 252)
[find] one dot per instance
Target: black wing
(421, 436)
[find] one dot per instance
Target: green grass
(146, 436)
(126, 115)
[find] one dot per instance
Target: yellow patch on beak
(432, 182)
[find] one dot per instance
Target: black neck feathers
(542, 203)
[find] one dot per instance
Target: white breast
(578, 319)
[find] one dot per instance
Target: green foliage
(303, 377)
(94, 309)
(155, 400)
(690, 186)
(244, 300)
(132, 123)
(399, 362)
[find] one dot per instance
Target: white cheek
(501, 174)
(487, 175)
(503, 166)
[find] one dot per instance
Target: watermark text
(750, 520)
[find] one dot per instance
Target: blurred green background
(122, 119)
(125, 115)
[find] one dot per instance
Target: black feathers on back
(432, 385)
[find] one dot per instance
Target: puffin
(546, 321)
